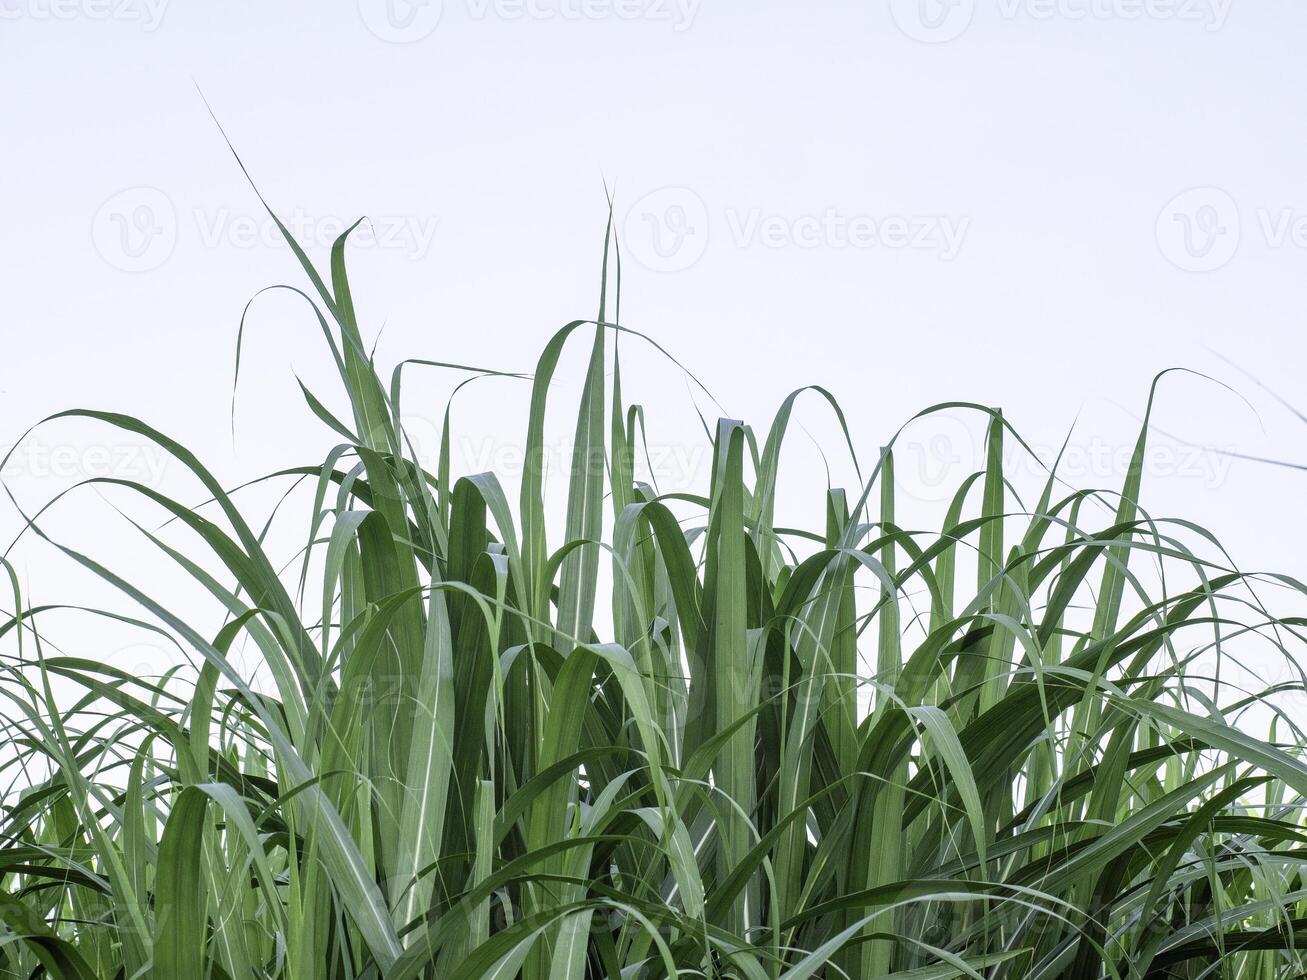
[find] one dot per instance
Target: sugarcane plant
(682, 741)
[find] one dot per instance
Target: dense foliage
(1000, 749)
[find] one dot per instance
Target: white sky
(1031, 204)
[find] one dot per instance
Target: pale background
(1031, 204)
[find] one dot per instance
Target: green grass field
(677, 741)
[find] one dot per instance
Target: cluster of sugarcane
(992, 750)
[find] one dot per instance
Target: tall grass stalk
(677, 741)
